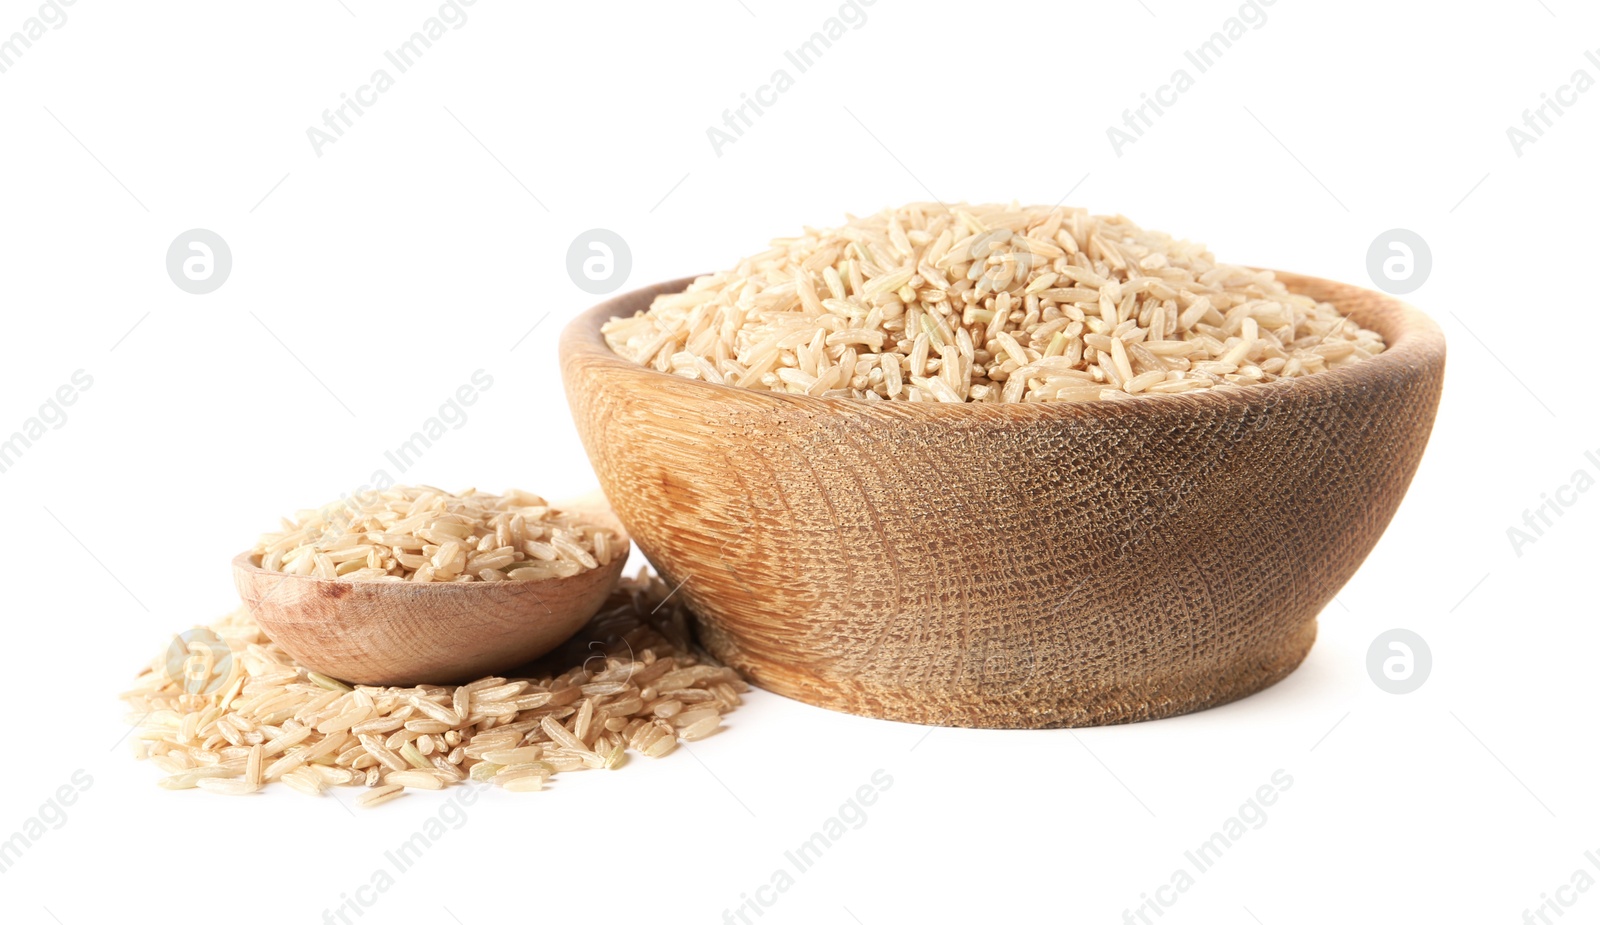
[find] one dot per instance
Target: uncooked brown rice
(420, 533)
(988, 303)
(632, 679)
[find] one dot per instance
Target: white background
(370, 282)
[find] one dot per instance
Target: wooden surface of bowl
(1023, 565)
(405, 633)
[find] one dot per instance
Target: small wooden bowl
(405, 633)
(1026, 565)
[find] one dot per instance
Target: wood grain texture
(405, 633)
(1032, 565)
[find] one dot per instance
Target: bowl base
(1042, 706)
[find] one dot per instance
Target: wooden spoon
(403, 633)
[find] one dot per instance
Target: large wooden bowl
(1026, 565)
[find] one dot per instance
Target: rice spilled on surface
(233, 713)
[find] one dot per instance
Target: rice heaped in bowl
(988, 303)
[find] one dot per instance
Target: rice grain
(947, 303)
(419, 533)
(619, 684)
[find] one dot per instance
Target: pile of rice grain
(988, 303)
(630, 680)
(420, 533)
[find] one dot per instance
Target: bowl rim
(1414, 343)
